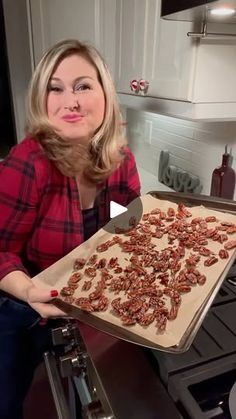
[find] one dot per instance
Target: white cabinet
(131, 41)
(188, 78)
(156, 50)
(90, 21)
(170, 59)
(214, 79)
(176, 66)
(137, 44)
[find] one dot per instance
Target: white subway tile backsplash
(194, 146)
(148, 131)
(175, 128)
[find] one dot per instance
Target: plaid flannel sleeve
(18, 200)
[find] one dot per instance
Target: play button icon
(122, 218)
(116, 209)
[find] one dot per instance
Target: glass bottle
(223, 178)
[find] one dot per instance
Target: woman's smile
(73, 118)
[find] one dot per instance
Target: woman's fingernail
(54, 293)
(42, 322)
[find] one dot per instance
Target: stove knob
(80, 360)
(94, 410)
(61, 335)
(67, 334)
(73, 364)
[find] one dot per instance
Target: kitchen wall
(194, 146)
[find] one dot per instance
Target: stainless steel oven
(82, 396)
(112, 378)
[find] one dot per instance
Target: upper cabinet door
(214, 79)
(131, 41)
(89, 21)
(170, 58)
(150, 48)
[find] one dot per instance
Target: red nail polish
(42, 322)
(54, 293)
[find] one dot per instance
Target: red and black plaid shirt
(40, 214)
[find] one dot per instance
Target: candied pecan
(201, 279)
(66, 291)
(134, 306)
(210, 219)
(203, 251)
(75, 277)
(210, 261)
(102, 247)
(101, 263)
(86, 285)
(183, 288)
(193, 260)
(69, 299)
(230, 245)
(92, 260)
(171, 212)
(101, 304)
(161, 322)
(91, 272)
(224, 254)
(113, 262)
(118, 270)
(79, 263)
(173, 312)
(116, 304)
(231, 230)
(146, 319)
(128, 321)
(95, 295)
(84, 304)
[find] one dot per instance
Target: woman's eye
(56, 89)
(81, 87)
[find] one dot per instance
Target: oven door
(83, 396)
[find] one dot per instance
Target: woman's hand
(39, 300)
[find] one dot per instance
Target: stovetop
(200, 380)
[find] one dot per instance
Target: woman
(55, 189)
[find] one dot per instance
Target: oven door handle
(56, 386)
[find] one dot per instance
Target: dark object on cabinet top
(195, 10)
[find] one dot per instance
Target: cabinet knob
(143, 85)
(134, 86)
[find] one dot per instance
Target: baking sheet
(193, 303)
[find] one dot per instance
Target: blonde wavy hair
(105, 151)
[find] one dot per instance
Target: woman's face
(75, 101)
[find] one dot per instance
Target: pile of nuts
(151, 285)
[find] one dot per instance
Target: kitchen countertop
(150, 182)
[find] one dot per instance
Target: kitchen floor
(39, 402)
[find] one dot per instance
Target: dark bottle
(223, 178)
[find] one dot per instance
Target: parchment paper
(57, 275)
